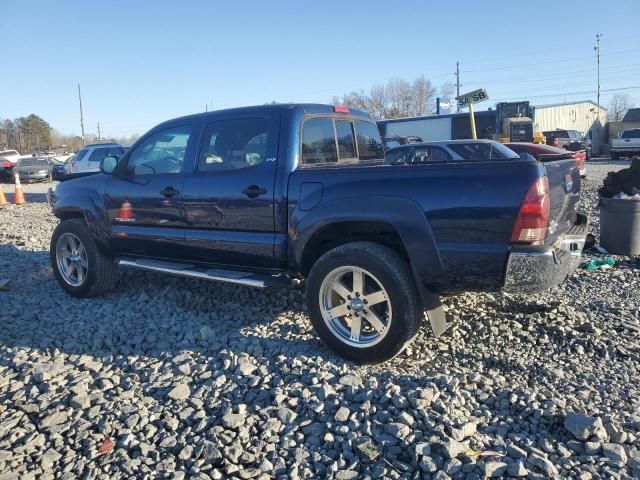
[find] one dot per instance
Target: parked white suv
(89, 157)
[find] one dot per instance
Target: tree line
(398, 98)
(32, 134)
(26, 134)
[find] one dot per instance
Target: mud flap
(434, 311)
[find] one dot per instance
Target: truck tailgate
(564, 190)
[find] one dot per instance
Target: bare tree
(397, 98)
(618, 107)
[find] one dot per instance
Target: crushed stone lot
(172, 378)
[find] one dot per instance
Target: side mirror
(108, 164)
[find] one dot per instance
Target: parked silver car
(34, 169)
(447, 151)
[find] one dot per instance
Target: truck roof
(304, 108)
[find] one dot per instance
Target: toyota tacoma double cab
(262, 195)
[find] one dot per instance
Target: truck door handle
(254, 191)
(169, 192)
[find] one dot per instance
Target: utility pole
(81, 116)
(596, 47)
(457, 85)
(99, 137)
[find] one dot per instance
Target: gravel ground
(175, 378)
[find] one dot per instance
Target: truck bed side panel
(470, 208)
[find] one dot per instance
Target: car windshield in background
(35, 162)
(483, 151)
(631, 134)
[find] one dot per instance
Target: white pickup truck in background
(626, 145)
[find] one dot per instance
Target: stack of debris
(623, 183)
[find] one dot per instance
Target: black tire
(102, 270)
(396, 278)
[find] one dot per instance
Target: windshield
(483, 151)
(33, 162)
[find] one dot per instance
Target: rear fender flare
(403, 214)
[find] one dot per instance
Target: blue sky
(140, 63)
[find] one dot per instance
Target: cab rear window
(331, 140)
(630, 134)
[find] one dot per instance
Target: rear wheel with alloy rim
(363, 301)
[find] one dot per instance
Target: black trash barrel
(620, 225)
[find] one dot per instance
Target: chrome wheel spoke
(375, 298)
(340, 289)
(80, 273)
(358, 282)
(356, 327)
(373, 319)
(339, 311)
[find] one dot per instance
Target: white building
(584, 116)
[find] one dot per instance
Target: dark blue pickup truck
(260, 195)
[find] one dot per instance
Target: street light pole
(81, 115)
(596, 47)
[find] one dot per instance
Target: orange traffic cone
(18, 198)
(3, 199)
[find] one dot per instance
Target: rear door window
(80, 155)
(233, 144)
(318, 141)
(99, 153)
(369, 143)
(430, 155)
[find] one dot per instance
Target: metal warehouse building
(584, 116)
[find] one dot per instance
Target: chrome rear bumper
(535, 269)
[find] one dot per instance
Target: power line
(573, 94)
(552, 76)
(550, 62)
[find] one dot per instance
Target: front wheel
(81, 269)
(363, 301)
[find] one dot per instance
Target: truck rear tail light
(340, 109)
(533, 217)
(6, 164)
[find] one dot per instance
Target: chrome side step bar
(214, 274)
